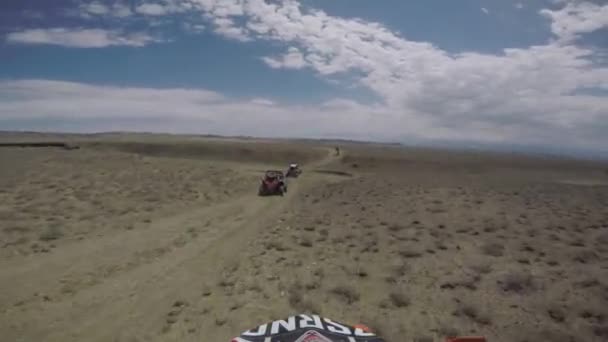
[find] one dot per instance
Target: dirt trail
(119, 287)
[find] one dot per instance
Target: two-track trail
(119, 287)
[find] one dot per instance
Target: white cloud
(226, 27)
(485, 10)
(89, 10)
(151, 9)
(81, 38)
(576, 18)
(96, 7)
(293, 59)
(97, 108)
(263, 102)
(163, 7)
(519, 5)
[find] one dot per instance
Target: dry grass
(481, 268)
(556, 313)
(472, 312)
(298, 302)
(494, 249)
(305, 241)
(467, 281)
(418, 244)
(519, 282)
(409, 253)
(91, 191)
(51, 233)
(346, 294)
(398, 299)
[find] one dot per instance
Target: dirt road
(121, 287)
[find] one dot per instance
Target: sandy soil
(166, 240)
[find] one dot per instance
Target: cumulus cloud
(97, 9)
(151, 9)
(79, 37)
(227, 28)
(576, 18)
(293, 59)
(122, 8)
(118, 13)
(264, 102)
(399, 69)
(163, 7)
(99, 108)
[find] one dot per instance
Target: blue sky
(496, 72)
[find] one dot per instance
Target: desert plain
(141, 237)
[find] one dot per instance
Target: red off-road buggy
(273, 183)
